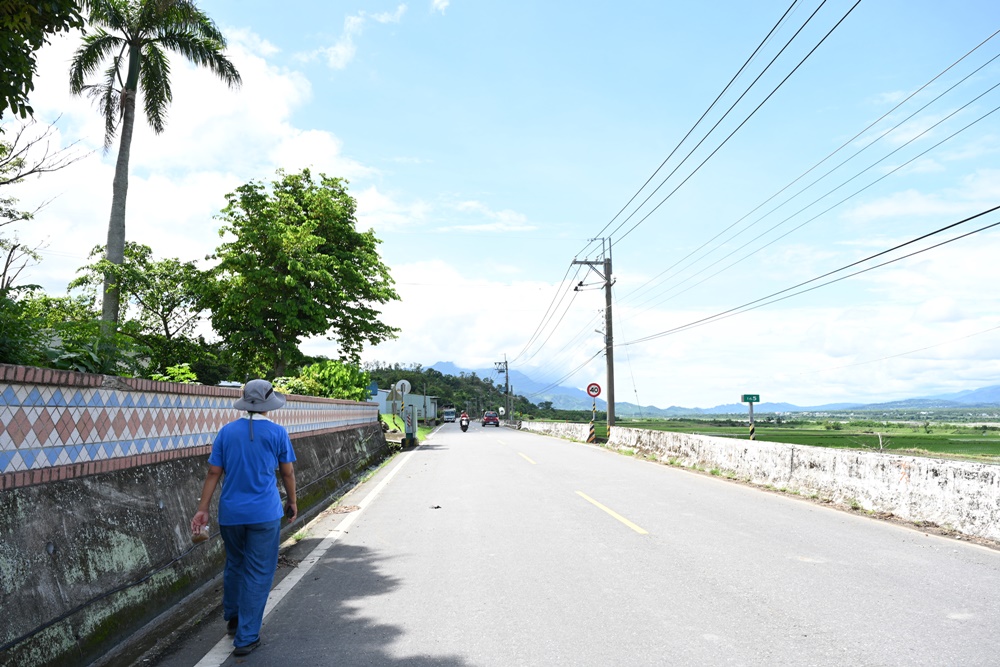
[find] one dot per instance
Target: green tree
(330, 379)
(159, 300)
(296, 267)
(132, 35)
(25, 25)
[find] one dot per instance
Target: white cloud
(215, 139)
(504, 220)
(977, 191)
(381, 212)
(253, 42)
(390, 17)
(343, 51)
(439, 5)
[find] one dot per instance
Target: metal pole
(751, 423)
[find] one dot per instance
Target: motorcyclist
(465, 415)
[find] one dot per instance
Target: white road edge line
(221, 651)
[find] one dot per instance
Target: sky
(488, 142)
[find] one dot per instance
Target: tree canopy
(296, 266)
(132, 36)
(25, 25)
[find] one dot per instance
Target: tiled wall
(59, 424)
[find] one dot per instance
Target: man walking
(244, 455)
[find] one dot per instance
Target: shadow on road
(328, 618)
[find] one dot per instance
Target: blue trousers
(251, 560)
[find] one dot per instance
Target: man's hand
(199, 520)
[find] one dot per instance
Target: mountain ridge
(571, 398)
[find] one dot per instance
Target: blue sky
(486, 142)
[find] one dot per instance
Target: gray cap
(259, 396)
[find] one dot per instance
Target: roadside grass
(943, 441)
(396, 422)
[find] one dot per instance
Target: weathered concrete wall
(960, 495)
(559, 429)
(98, 556)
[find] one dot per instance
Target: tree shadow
(318, 623)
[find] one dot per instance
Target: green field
(940, 440)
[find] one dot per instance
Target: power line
(842, 146)
(701, 118)
(832, 206)
(740, 126)
(565, 377)
(770, 299)
(545, 316)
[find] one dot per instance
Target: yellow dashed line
(527, 459)
(611, 512)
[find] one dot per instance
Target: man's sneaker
(246, 650)
(231, 625)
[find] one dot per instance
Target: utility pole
(501, 367)
(609, 342)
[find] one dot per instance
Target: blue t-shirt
(249, 486)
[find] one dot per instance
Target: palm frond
(110, 14)
(154, 79)
(94, 50)
(108, 98)
(201, 51)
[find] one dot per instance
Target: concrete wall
(93, 550)
(959, 495)
(559, 429)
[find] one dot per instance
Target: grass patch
(715, 471)
(963, 442)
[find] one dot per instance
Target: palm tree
(132, 35)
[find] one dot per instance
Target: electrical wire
(565, 377)
(831, 207)
(628, 361)
(726, 114)
(555, 327)
(555, 359)
(552, 303)
(730, 136)
(830, 155)
(700, 119)
(770, 299)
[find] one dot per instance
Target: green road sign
(751, 398)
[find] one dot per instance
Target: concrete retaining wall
(960, 495)
(559, 429)
(91, 551)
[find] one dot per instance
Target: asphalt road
(499, 547)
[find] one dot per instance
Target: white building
(423, 405)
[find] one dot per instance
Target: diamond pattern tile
(43, 426)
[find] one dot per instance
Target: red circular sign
(594, 389)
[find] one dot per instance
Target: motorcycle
(464, 424)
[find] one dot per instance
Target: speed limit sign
(594, 390)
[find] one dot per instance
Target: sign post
(593, 390)
(751, 399)
(402, 388)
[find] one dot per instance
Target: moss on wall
(67, 546)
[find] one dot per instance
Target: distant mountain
(985, 395)
(564, 398)
(571, 398)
